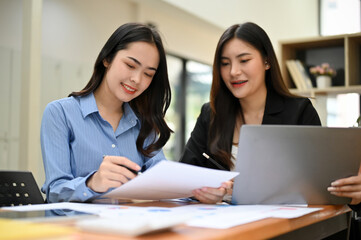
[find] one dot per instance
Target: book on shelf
(305, 77)
(295, 75)
(299, 74)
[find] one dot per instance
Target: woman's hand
(213, 195)
(347, 187)
(111, 174)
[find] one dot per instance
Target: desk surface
(320, 224)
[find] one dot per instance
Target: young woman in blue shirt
(117, 120)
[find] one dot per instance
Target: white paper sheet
(220, 216)
(81, 207)
(226, 216)
(36, 207)
(168, 180)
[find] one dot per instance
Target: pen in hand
(214, 161)
(132, 170)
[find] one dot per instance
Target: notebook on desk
(294, 164)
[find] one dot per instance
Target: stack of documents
(133, 221)
(169, 180)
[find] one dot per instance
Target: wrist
(89, 182)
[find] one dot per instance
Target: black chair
(355, 226)
(18, 188)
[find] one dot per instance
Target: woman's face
(131, 71)
(243, 69)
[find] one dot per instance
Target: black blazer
(279, 110)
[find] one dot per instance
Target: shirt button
(85, 194)
(113, 145)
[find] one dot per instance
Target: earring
(267, 65)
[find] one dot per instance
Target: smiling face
(131, 71)
(243, 69)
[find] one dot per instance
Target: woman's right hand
(111, 174)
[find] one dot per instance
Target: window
(339, 17)
(343, 110)
(199, 80)
(172, 149)
(190, 83)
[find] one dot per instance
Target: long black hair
(225, 107)
(153, 103)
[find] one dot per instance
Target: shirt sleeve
(60, 184)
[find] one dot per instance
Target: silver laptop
(294, 164)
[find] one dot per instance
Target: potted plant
(323, 74)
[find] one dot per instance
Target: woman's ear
(267, 65)
(105, 63)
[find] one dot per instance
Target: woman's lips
(239, 83)
(128, 88)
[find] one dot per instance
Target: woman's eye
(244, 60)
(148, 75)
(224, 63)
(129, 65)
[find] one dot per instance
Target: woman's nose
(236, 70)
(136, 77)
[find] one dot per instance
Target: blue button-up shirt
(74, 138)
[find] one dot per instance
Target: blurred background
(48, 48)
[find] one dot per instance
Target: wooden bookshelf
(342, 52)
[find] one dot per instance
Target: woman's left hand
(347, 187)
(213, 195)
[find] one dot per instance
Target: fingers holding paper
(347, 187)
(210, 195)
(112, 173)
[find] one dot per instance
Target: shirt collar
(129, 114)
(88, 106)
(128, 121)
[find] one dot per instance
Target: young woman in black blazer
(247, 88)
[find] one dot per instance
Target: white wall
(281, 19)
(183, 33)
(10, 81)
(76, 30)
(11, 23)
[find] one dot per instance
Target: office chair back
(18, 188)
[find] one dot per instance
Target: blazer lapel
(274, 106)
